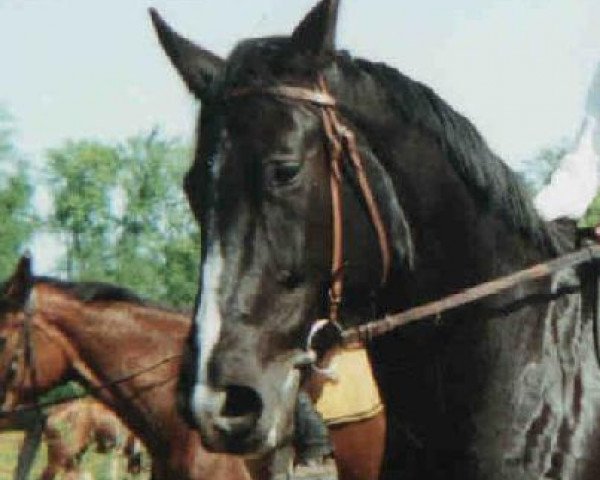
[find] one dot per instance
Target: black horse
(506, 388)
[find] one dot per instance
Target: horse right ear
(197, 67)
(19, 285)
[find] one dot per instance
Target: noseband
(340, 140)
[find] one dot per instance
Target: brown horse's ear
(316, 33)
(21, 281)
(197, 67)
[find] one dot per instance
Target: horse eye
(281, 173)
(289, 279)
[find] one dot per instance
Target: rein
(364, 333)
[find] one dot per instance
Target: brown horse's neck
(107, 340)
(97, 329)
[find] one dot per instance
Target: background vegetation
(118, 210)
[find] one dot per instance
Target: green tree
(123, 214)
(16, 192)
(592, 215)
(83, 178)
(157, 243)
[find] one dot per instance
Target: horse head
(418, 207)
(30, 362)
(260, 188)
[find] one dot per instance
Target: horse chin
(270, 430)
(269, 434)
(249, 446)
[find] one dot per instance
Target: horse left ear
(21, 281)
(316, 33)
(196, 66)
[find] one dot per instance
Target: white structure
(576, 181)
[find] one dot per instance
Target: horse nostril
(241, 402)
(240, 413)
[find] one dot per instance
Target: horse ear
(316, 33)
(197, 67)
(21, 281)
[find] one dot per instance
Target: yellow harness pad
(354, 395)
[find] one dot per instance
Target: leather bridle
(25, 349)
(341, 145)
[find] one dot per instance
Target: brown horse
(126, 351)
(72, 428)
(75, 324)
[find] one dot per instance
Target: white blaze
(208, 322)
(208, 316)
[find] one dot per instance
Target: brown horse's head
(260, 188)
(30, 362)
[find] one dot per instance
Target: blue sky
(519, 69)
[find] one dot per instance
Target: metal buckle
(332, 339)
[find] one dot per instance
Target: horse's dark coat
(473, 395)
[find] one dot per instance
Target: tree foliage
(122, 214)
(16, 191)
(82, 177)
(157, 244)
(592, 215)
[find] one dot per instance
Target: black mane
(89, 292)
(490, 179)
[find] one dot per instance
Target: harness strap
(28, 353)
(319, 98)
(29, 370)
(336, 289)
(352, 148)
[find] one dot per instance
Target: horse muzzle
(243, 419)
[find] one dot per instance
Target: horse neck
(455, 235)
(110, 340)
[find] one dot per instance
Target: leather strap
(319, 98)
